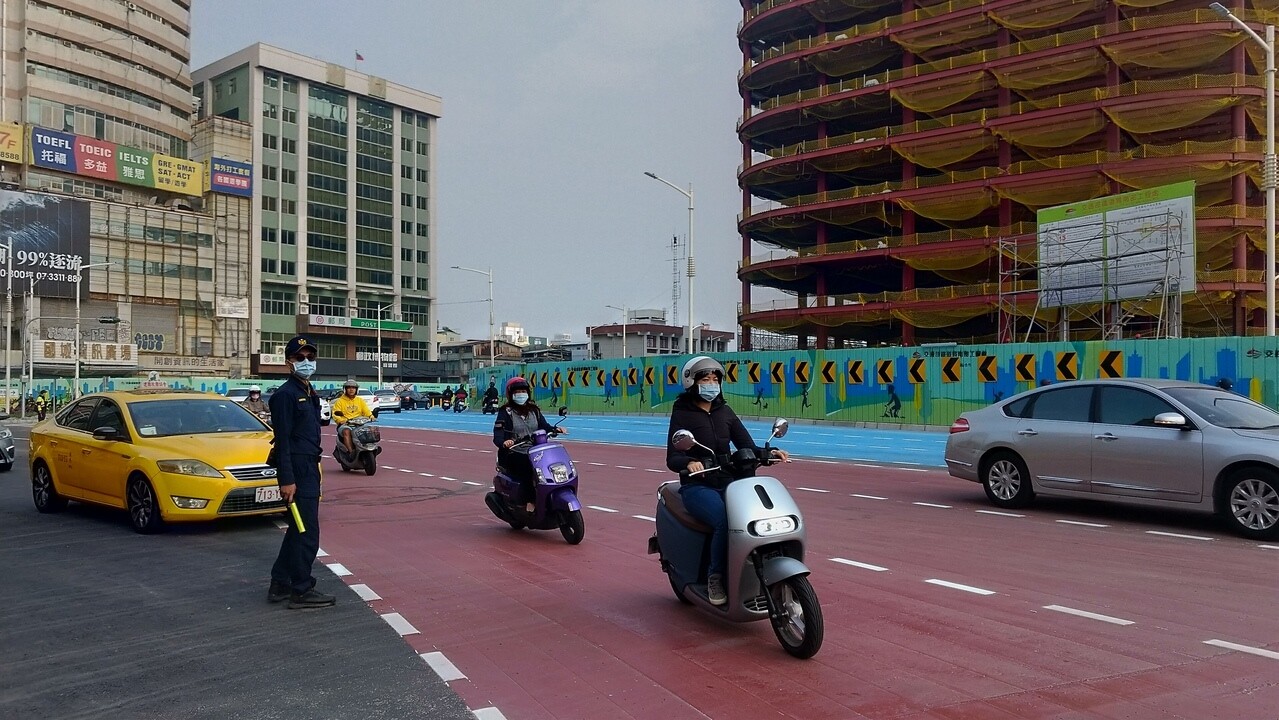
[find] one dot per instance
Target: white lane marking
(624, 467)
(601, 508)
(1085, 524)
(924, 504)
(1243, 648)
(823, 462)
(486, 451)
(338, 569)
(321, 553)
(597, 464)
(996, 512)
(446, 477)
(488, 713)
(282, 525)
(1089, 615)
(399, 624)
(470, 482)
(912, 469)
(365, 592)
(864, 566)
(812, 490)
(405, 470)
(957, 586)
(867, 465)
(655, 471)
(1269, 547)
(645, 517)
(426, 474)
(449, 447)
(868, 497)
(1178, 535)
(442, 666)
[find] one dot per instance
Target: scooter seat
(675, 504)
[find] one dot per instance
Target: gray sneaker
(715, 589)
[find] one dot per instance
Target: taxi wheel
(6, 467)
(46, 498)
(144, 507)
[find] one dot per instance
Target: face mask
(520, 398)
(709, 392)
(304, 368)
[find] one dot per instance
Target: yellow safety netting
(1143, 3)
(872, 103)
(965, 276)
(1168, 115)
(849, 216)
(1052, 132)
(852, 59)
(959, 205)
(947, 149)
(829, 11)
(1058, 191)
(1142, 177)
(1158, 52)
(949, 261)
(1040, 15)
(1053, 72)
(920, 40)
(939, 318)
(853, 160)
(941, 93)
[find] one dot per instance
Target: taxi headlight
(559, 472)
(188, 467)
(769, 527)
(189, 503)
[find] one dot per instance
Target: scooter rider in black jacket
(701, 410)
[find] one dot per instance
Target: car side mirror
(107, 432)
(682, 440)
(1172, 420)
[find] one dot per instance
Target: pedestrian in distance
(42, 404)
(295, 414)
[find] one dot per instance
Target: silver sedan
(1157, 443)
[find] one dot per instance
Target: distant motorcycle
(459, 403)
(366, 441)
(491, 405)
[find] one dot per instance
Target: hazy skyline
(552, 113)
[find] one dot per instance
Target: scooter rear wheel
(573, 528)
(798, 624)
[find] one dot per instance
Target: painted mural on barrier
(925, 385)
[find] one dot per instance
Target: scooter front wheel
(573, 527)
(370, 464)
(798, 624)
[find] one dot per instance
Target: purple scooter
(555, 479)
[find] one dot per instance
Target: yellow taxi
(163, 455)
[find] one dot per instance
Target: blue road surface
(804, 440)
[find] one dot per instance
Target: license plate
(267, 494)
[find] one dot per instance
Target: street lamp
(623, 309)
(489, 273)
(1269, 169)
(692, 268)
(79, 274)
(8, 320)
(377, 356)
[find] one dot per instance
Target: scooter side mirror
(563, 411)
(682, 440)
(780, 426)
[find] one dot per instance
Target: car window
(1072, 404)
(1130, 406)
(1225, 409)
(1019, 408)
(77, 415)
(159, 418)
(108, 415)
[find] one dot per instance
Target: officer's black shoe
(310, 599)
(278, 592)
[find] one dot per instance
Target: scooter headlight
(559, 473)
(769, 527)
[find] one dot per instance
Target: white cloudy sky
(552, 112)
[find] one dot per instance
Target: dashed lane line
(1243, 648)
(598, 464)
(601, 508)
(1178, 535)
(426, 474)
(1269, 547)
(338, 569)
(1084, 524)
(623, 467)
(471, 482)
(655, 471)
(862, 565)
(488, 713)
(644, 517)
(446, 477)
(1001, 514)
(816, 490)
(932, 505)
(958, 586)
(405, 470)
(867, 497)
(318, 553)
(399, 624)
(1089, 615)
(365, 592)
(442, 666)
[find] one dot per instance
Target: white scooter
(366, 440)
(765, 577)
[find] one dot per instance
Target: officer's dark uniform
(295, 415)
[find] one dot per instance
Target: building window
(269, 110)
(406, 282)
(288, 267)
(268, 234)
(421, 284)
(268, 172)
(289, 176)
(421, 175)
(415, 313)
(278, 302)
(269, 203)
(289, 115)
(422, 256)
(406, 254)
(289, 207)
(270, 142)
(650, 342)
(331, 350)
(325, 271)
(331, 305)
(271, 80)
(406, 144)
(415, 350)
(273, 343)
(406, 199)
(406, 172)
(289, 145)
(421, 202)
(406, 227)
(421, 229)
(290, 85)
(288, 237)
(421, 148)
(268, 266)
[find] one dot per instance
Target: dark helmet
(698, 367)
(516, 383)
(350, 384)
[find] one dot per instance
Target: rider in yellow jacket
(346, 408)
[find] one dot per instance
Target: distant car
(372, 400)
(238, 394)
(413, 400)
(1158, 443)
(163, 456)
(389, 399)
(326, 411)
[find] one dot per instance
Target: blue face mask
(709, 391)
(304, 368)
(520, 398)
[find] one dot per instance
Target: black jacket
(504, 426)
(714, 429)
(295, 418)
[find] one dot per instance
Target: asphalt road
(99, 622)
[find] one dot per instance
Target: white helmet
(255, 389)
(698, 366)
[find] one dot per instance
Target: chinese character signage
(230, 177)
(12, 143)
(50, 241)
(62, 352)
(106, 160)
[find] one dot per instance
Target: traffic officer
(295, 416)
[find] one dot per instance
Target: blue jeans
(707, 505)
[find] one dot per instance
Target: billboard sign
(50, 237)
(12, 143)
(230, 177)
(86, 156)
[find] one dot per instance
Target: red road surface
(542, 629)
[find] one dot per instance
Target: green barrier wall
(898, 385)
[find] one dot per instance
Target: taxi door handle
(85, 451)
(1028, 432)
(1106, 436)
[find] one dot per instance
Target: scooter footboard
(685, 551)
(779, 568)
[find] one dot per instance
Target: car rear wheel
(46, 498)
(143, 506)
(1006, 480)
(1252, 503)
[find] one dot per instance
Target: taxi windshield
(160, 418)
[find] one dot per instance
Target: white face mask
(520, 398)
(708, 391)
(304, 368)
